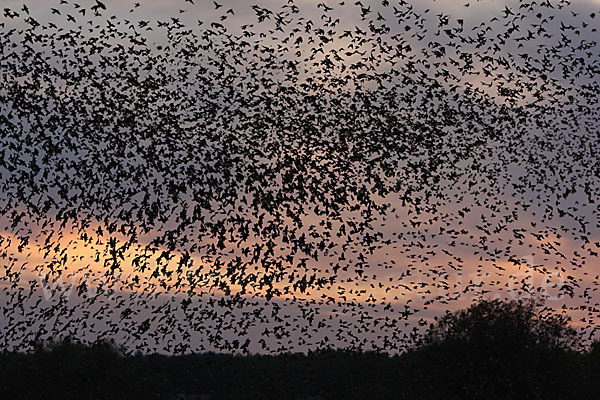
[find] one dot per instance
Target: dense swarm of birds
(293, 178)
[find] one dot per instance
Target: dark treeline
(493, 350)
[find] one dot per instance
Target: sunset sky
(330, 212)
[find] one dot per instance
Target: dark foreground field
(75, 372)
(493, 350)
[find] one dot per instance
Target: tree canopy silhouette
(500, 324)
(501, 349)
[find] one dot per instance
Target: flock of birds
(294, 178)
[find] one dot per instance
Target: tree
(496, 323)
(500, 349)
